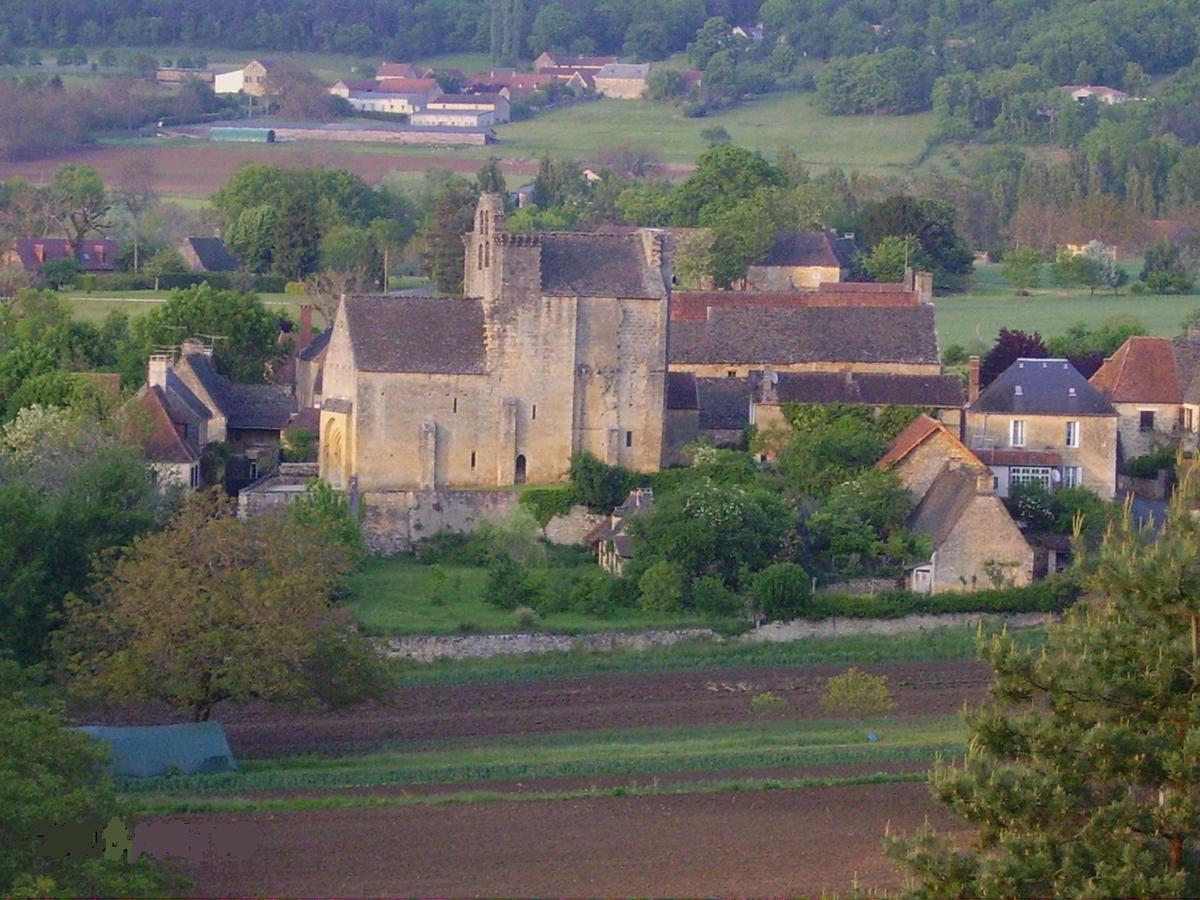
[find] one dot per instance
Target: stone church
(559, 344)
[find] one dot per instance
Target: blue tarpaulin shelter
(145, 751)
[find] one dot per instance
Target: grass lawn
(991, 304)
(398, 595)
(769, 124)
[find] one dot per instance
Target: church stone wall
(392, 521)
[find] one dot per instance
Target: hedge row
(1052, 594)
(127, 281)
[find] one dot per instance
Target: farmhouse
(624, 81)
(1041, 422)
(400, 96)
(1154, 385)
(463, 110)
(179, 76)
(250, 79)
(802, 259)
(583, 64)
(975, 542)
(1106, 95)
(558, 346)
(203, 407)
(92, 254)
(613, 546)
(208, 254)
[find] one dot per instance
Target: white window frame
(1016, 433)
(1073, 434)
(1072, 476)
(1028, 475)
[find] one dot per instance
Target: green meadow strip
(287, 804)
(944, 645)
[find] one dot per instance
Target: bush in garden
(781, 591)
(857, 693)
(661, 587)
(711, 597)
(510, 585)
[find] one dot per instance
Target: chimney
(156, 370)
(909, 282)
(984, 482)
(769, 382)
(924, 287)
(972, 379)
(39, 252)
(305, 336)
(1193, 334)
(191, 346)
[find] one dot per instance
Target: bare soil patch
(759, 843)
(540, 707)
(200, 170)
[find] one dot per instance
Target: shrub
(767, 705)
(516, 536)
(598, 486)
(1148, 466)
(526, 618)
(781, 591)
(661, 587)
(547, 502)
(856, 693)
(510, 585)
(711, 597)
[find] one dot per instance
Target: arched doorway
(519, 474)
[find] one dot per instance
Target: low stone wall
(425, 648)
(798, 629)
(1158, 488)
(276, 490)
(484, 646)
(392, 521)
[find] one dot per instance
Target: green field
(940, 645)
(636, 753)
(768, 124)
(976, 316)
(397, 595)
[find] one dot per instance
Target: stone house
(493, 108)
(613, 546)
(94, 255)
(205, 407)
(771, 391)
(801, 260)
(733, 341)
(573, 62)
(623, 81)
(1103, 94)
(398, 96)
(558, 346)
(1041, 421)
(208, 254)
(250, 78)
(171, 450)
(1154, 384)
(975, 542)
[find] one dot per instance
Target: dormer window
(1017, 390)
(1070, 392)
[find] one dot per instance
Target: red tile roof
(94, 254)
(1015, 457)
(163, 443)
(919, 430)
(1143, 370)
(395, 70)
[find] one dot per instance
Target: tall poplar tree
(1083, 774)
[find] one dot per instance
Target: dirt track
(760, 843)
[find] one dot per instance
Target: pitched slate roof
(943, 504)
(214, 256)
(823, 334)
(316, 346)
(695, 304)
(1142, 370)
(871, 389)
(809, 248)
(724, 403)
(598, 265)
(244, 405)
(1047, 387)
(416, 334)
(681, 391)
